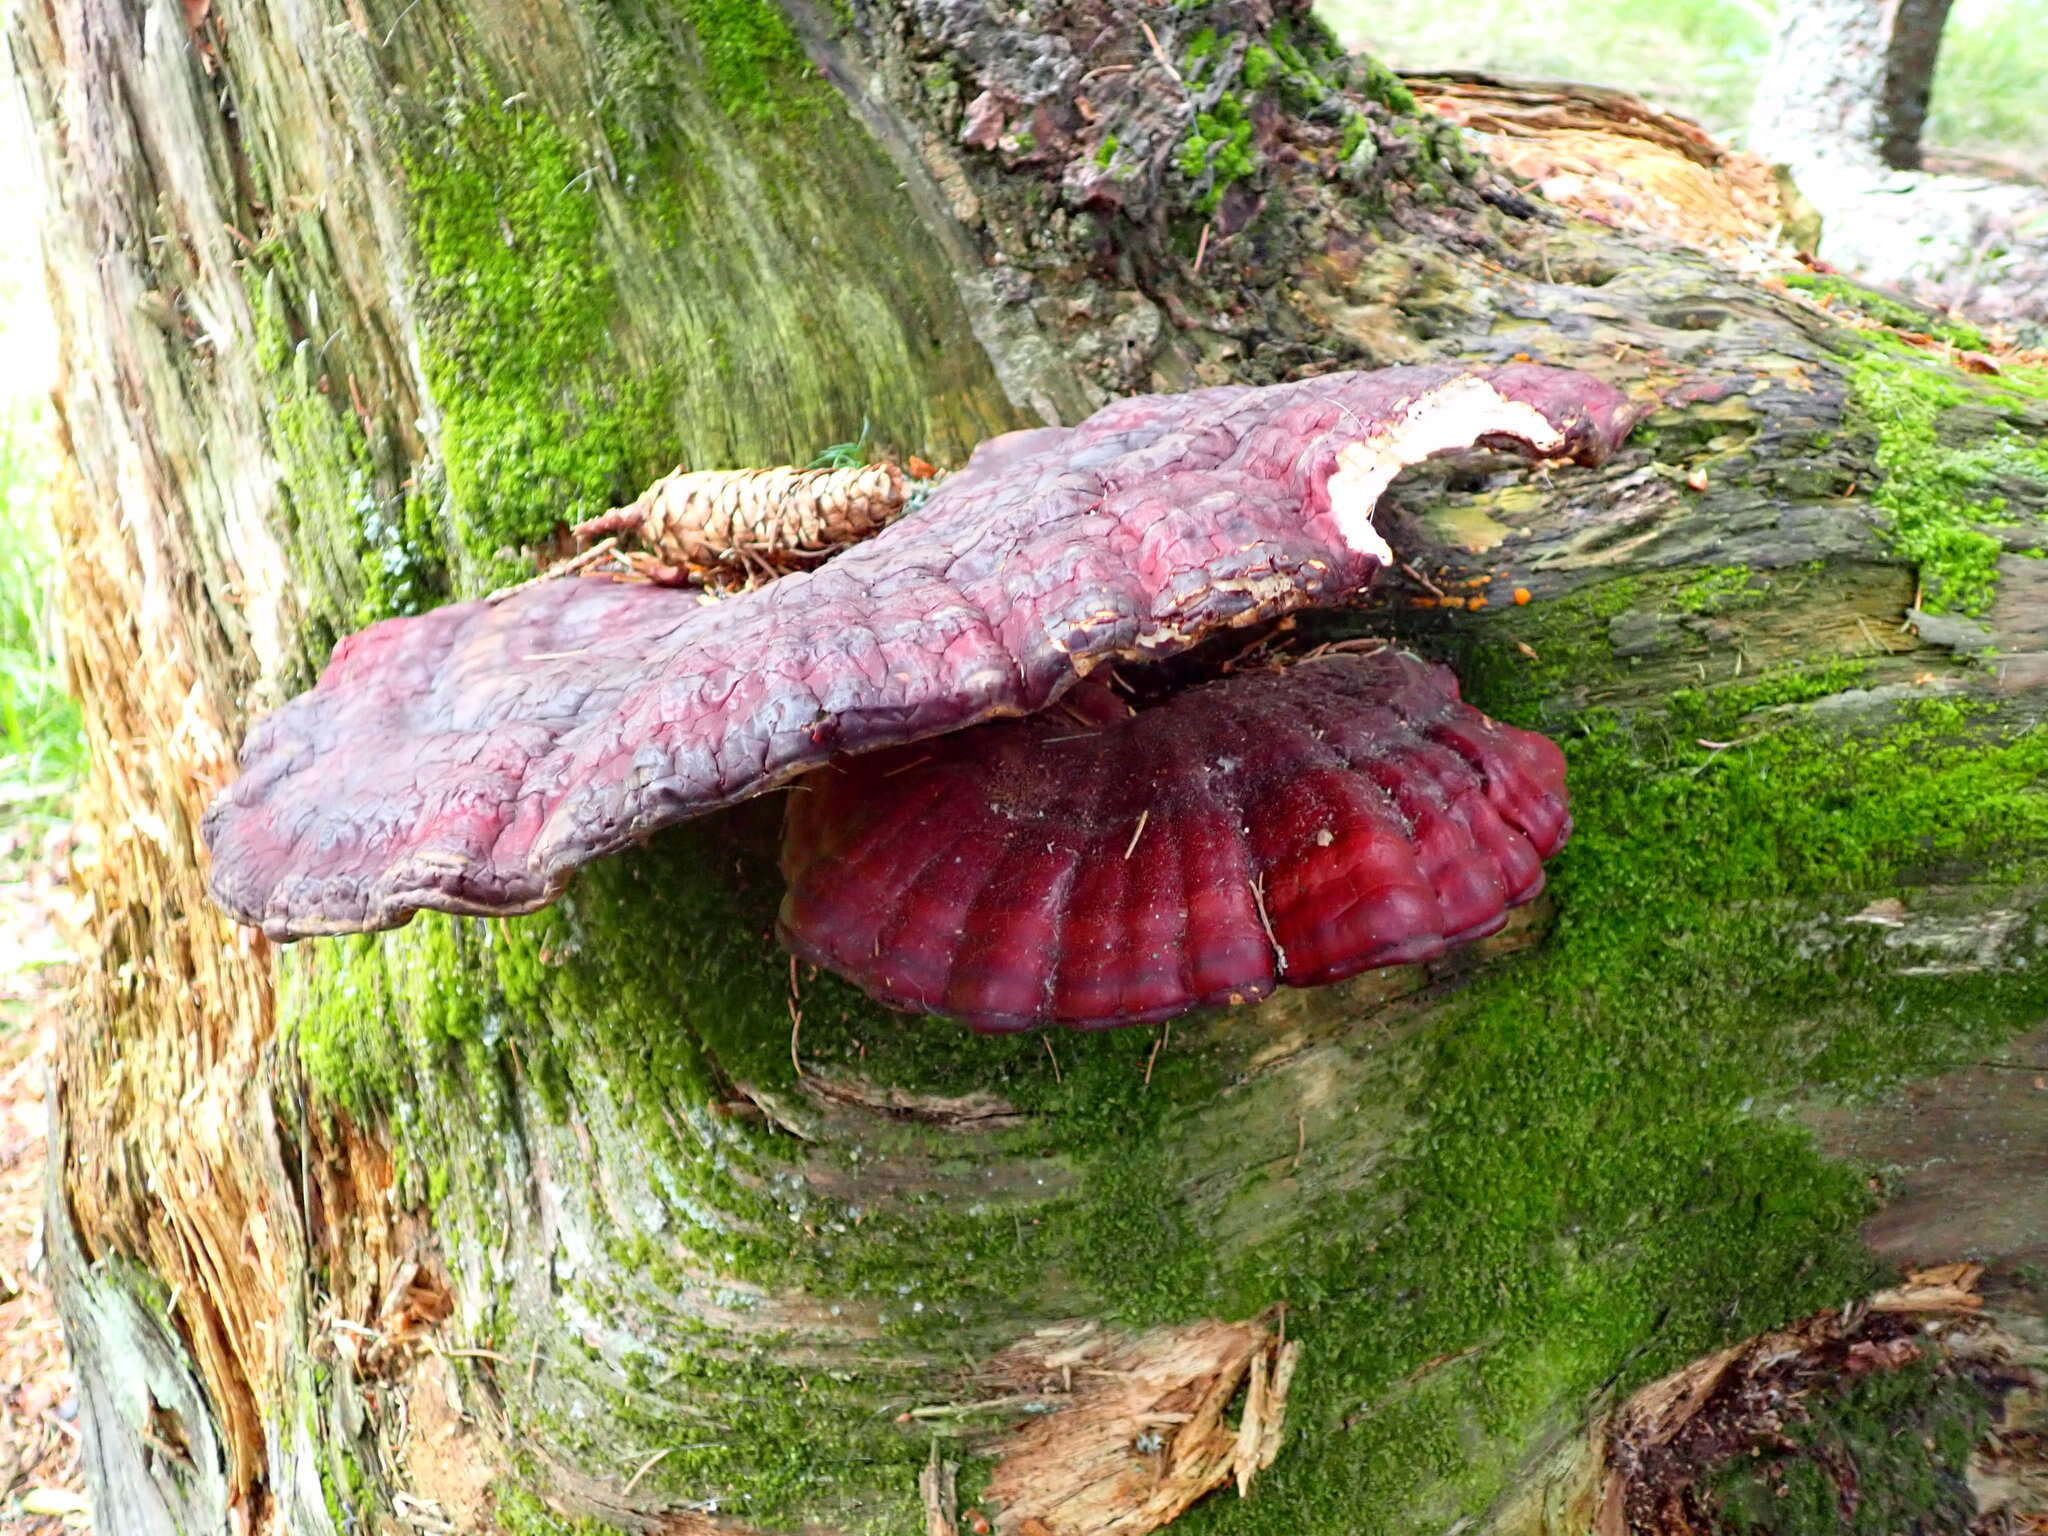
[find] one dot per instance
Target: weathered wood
(608, 1211)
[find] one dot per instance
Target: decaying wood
(1757, 1393)
(1969, 1160)
(202, 1218)
(1643, 1469)
(941, 1499)
(1134, 1429)
(1612, 157)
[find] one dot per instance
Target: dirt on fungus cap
(471, 759)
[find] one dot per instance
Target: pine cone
(699, 517)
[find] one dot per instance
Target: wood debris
(1611, 157)
(1661, 1453)
(935, 1485)
(1137, 1428)
(182, 1191)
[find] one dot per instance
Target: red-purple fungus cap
(1294, 828)
(471, 759)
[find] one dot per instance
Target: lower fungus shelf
(1094, 867)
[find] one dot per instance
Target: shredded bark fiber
(184, 1024)
(190, 1191)
(1747, 1407)
(1138, 1426)
(1611, 157)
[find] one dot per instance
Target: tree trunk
(1840, 107)
(1849, 81)
(507, 1225)
(1915, 45)
(1822, 91)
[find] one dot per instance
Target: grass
(1701, 57)
(42, 750)
(1989, 95)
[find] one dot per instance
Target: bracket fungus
(1346, 813)
(471, 759)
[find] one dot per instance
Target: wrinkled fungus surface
(471, 759)
(1297, 828)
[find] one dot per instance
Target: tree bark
(1822, 92)
(1840, 107)
(1849, 81)
(608, 1214)
(1915, 47)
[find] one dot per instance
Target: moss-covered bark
(605, 1216)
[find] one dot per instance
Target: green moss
(1299, 61)
(364, 543)
(1376, 82)
(552, 247)
(1887, 311)
(1589, 1196)
(1723, 589)
(2021, 383)
(1938, 496)
(786, 1446)
(1572, 1180)
(1306, 41)
(544, 423)
(754, 67)
(1887, 1454)
(1357, 135)
(346, 1487)
(519, 1513)
(1300, 84)
(1217, 152)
